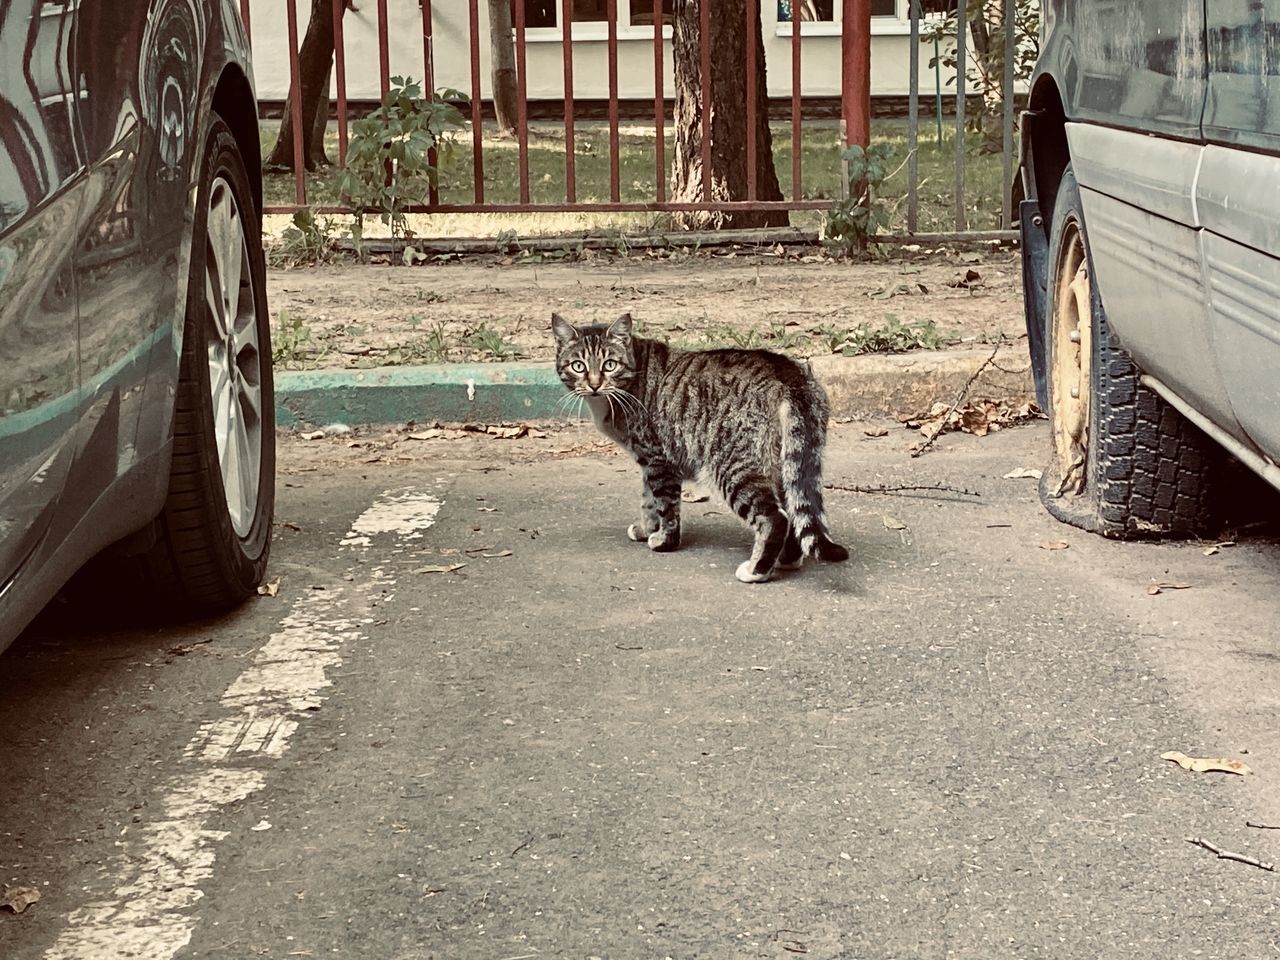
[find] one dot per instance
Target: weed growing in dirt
(782, 337)
(289, 337)
(307, 240)
(490, 343)
(892, 336)
(852, 222)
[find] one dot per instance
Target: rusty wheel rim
(1072, 367)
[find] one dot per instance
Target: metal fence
(855, 110)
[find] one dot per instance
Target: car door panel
(40, 193)
(137, 70)
(1239, 200)
(1139, 199)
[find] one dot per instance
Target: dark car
(1151, 245)
(136, 409)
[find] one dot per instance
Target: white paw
(744, 573)
(657, 540)
(635, 533)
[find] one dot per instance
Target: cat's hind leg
(754, 500)
(659, 524)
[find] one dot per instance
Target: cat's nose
(595, 383)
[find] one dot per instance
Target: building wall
(820, 57)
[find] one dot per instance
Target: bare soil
(498, 308)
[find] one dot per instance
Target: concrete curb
(875, 385)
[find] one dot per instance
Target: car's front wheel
(1124, 462)
(214, 535)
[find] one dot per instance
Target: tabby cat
(749, 423)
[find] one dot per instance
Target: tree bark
(315, 62)
(503, 51)
(728, 118)
(987, 30)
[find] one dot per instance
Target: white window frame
(882, 26)
(599, 29)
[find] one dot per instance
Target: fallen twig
(896, 488)
(964, 392)
(1229, 855)
(1260, 826)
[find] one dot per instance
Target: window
(545, 14)
(825, 10)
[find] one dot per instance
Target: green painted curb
(478, 393)
(874, 385)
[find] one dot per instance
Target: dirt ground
(498, 308)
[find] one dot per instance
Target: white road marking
(149, 891)
(404, 514)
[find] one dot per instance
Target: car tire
(213, 537)
(1125, 463)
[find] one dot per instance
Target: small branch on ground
(899, 488)
(964, 392)
(1228, 855)
(1260, 826)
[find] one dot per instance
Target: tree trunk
(316, 156)
(506, 92)
(987, 30)
(728, 119)
(315, 62)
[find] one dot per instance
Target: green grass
(820, 169)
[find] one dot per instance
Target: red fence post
(753, 20)
(659, 105)
(611, 13)
(522, 100)
(244, 18)
(428, 91)
(340, 72)
(477, 118)
(570, 161)
(704, 64)
(384, 50)
(855, 77)
(295, 107)
(796, 30)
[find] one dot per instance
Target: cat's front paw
(746, 574)
(637, 533)
(661, 541)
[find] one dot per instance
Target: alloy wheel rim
(234, 356)
(1072, 368)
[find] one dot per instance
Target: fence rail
(855, 59)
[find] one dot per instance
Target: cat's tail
(803, 421)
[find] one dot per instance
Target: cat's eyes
(610, 366)
(578, 366)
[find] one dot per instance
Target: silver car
(136, 410)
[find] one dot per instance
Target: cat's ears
(565, 332)
(620, 329)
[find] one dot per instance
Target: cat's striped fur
(750, 423)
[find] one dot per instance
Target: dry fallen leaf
(270, 588)
(18, 899)
(893, 523)
(1207, 764)
(448, 568)
(1024, 473)
(1054, 545)
(313, 435)
(876, 432)
(1159, 586)
(1209, 551)
(494, 556)
(487, 509)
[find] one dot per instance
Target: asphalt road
(947, 748)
